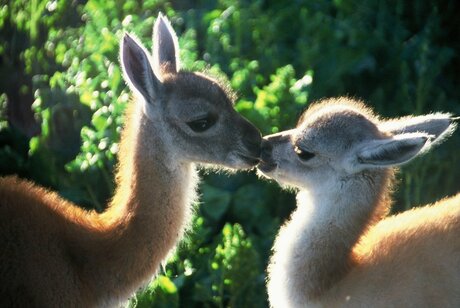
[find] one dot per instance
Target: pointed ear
(165, 47)
(437, 125)
(137, 69)
(389, 152)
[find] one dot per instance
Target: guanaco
(55, 254)
(338, 249)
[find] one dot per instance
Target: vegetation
(60, 57)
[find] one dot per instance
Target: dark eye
(303, 155)
(201, 125)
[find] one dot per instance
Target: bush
(401, 57)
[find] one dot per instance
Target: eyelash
(202, 124)
(302, 154)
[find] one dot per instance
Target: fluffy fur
(54, 254)
(338, 249)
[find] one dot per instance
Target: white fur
(324, 255)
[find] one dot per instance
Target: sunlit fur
(338, 249)
(54, 254)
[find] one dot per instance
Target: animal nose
(252, 143)
(267, 148)
(252, 139)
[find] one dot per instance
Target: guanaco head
(192, 112)
(337, 139)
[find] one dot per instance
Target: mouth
(266, 166)
(249, 160)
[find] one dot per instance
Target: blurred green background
(62, 98)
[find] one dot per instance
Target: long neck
(314, 249)
(147, 215)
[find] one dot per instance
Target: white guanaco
(339, 248)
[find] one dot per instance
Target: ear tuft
(165, 47)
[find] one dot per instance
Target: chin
(267, 168)
(274, 174)
(241, 162)
(242, 165)
(268, 172)
(228, 167)
(262, 174)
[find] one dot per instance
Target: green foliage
(401, 57)
(13, 152)
(160, 293)
(276, 103)
(237, 278)
(225, 273)
(221, 263)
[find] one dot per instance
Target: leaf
(99, 121)
(161, 292)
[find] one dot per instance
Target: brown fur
(408, 260)
(56, 254)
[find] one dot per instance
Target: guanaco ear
(137, 69)
(437, 125)
(389, 152)
(165, 47)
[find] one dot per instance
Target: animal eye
(201, 125)
(303, 155)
